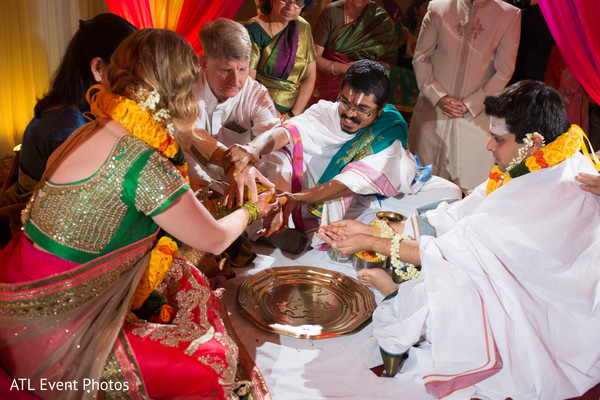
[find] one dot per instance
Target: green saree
(370, 37)
(280, 62)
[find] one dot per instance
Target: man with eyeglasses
(338, 149)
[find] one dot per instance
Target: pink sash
(297, 171)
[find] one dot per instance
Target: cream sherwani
(467, 51)
(508, 301)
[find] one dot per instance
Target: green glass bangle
(252, 211)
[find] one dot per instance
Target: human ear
(202, 61)
(96, 66)
(538, 142)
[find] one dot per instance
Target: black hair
(411, 15)
(265, 6)
(97, 37)
(522, 4)
(529, 106)
(368, 77)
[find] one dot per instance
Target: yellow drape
(165, 13)
(23, 77)
(33, 37)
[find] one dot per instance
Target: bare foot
(378, 279)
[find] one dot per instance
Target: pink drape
(575, 28)
(196, 12)
(193, 14)
(135, 11)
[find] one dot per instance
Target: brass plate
(306, 302)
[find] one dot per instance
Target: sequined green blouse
(83, 220)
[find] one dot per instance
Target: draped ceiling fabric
(575, 28)
(185, 17)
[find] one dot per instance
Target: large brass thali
(306, 302)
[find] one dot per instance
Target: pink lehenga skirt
(66, 331)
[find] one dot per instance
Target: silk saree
(66, 328)
(370, 37)
(281, 61)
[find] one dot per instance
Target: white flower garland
(405, 271)
(528, 141)
(383, 231)
(148, 101)
(411, 273)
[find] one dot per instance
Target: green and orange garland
(152, 129)
(563, 147)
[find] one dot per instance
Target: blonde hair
(226, 39)
(162, 61)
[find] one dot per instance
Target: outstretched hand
(239, 157)
(234, 192)
(289, 202)
(348, 227)
(589, 183)
(270, 212)
(273, 222)
(349, 244)
(200, 187)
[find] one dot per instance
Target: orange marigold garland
(143, 121)
(165, 315)
(139, 122)
(563, 147)
(161, 259)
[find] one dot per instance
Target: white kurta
(466, 51)
(389, 172)
(508, 300)
(233, 121)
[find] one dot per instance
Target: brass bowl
(390, 216)
(336, 256)
(360, 263)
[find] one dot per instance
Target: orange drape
(185, 17)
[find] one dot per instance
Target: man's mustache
(353, 119)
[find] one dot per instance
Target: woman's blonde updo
(162, 61)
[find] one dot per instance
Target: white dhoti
(508, 297)
(390, 173)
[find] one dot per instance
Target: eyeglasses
(296, 3)
(359, 110)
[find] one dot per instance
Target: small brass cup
(390, 216)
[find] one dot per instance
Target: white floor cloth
(303, 369)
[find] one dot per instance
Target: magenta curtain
(196, 12)
(193, 14)
(575, 27)
(135, 11)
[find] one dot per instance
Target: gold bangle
(220, 209)
(332, 71)
(253, 212)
